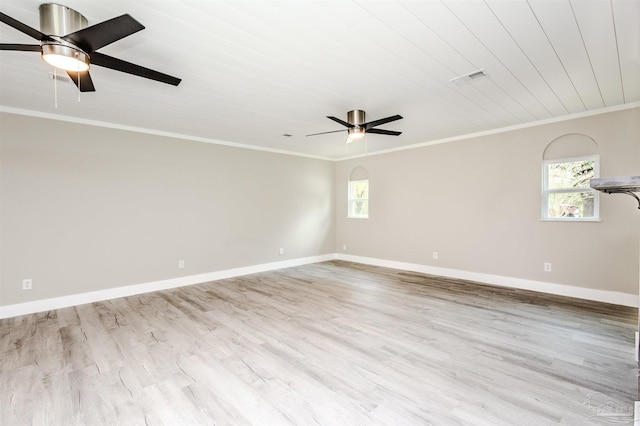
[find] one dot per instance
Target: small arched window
(358, 194)
(570, 162)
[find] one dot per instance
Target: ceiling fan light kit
(65, 57)
(355, 134)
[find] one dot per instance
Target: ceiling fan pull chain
(78, 70)
(55, 87)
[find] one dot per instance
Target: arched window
(569, 163)
(358, 194)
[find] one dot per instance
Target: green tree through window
(566, 190)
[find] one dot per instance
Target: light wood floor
(333, 343)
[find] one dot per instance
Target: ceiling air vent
(468, 78)
(59, 77)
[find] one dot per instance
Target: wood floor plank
(331, 343)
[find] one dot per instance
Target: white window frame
(352, 200)
(546, 191)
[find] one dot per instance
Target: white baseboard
(114, 293)
(44, 305)
(614, 297)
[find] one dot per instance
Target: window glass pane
(571, 204)
(361, 208)
(575, 174)
(359, 198)
(361, 189)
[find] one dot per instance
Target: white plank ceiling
(254, 71)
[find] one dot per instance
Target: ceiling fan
(66, 42)
(357, 127)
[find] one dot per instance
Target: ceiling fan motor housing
(356, 117)
(58, 20)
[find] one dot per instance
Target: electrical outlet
(344, 247)
(27, 284)
(281, 250)
(435, 255)
(547, 266)
(180, 264)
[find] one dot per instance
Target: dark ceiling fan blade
(32, 32)
(85, 84)
(20, 47)
(375, 123)
(384, 132)
(99, 35)
(344, 123)
(324, 133)
(124, 66)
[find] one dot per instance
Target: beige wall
(88, 208)
(477, 203)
